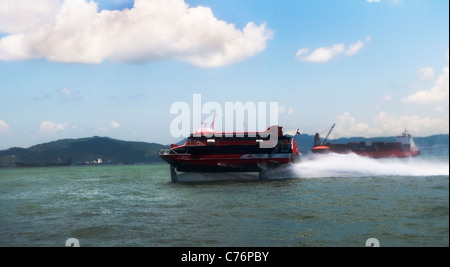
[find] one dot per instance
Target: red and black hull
(228, 162)
(236, 152)
(372, 150)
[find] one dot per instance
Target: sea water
(331, 200)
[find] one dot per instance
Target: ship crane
(323, 142)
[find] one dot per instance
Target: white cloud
(25, 15)
(354, 48)
(437, 94)
(74, 31)
(347, 126)
(66, 94)
(282, 109)
(4, 127)
(101, 130)
(396, 2)
(385, 124)
(65, 91)
(426, 74)
(417, 125)
(292, 131)
(325, 54)
(51, 127)
(387, 97)
(301, 52)
(114, 125)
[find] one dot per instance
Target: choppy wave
(139, 206)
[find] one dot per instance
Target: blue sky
(76, 68)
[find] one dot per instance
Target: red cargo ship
(404, 147)
(231, 152)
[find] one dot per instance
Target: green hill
(113, 151)
(84, 150)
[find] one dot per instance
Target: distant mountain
(112, 151)
(83, 151)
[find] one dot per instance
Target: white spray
(352, 165)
